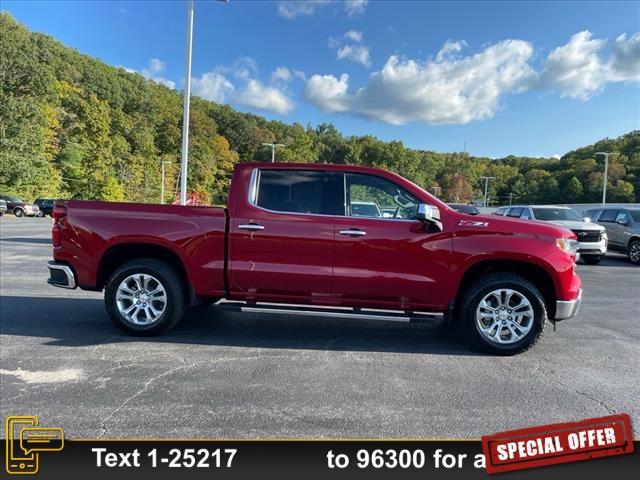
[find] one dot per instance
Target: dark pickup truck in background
(290, 240)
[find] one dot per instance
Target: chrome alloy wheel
(504, 316)
(141, 299)
(634, 253)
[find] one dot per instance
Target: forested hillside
(72, 126)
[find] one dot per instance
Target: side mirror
(587, 219)
(429, 214)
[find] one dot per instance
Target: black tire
(471, 298)
(170, 281)
(634, 252)
(592, 259)
(40, 213)
(18, 212)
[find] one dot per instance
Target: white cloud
(625, 59)
(328, 93)
(354, 35)
(212, 86)
(281, 74)
(300, 8)
(452, 88)
(578, 69)
(218, 86)
(154, 72)
(305, 8)
(575, 69)
(257, 95)
(355, 53)
(444, 90)
(355, 7)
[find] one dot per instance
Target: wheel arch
(530, 271)
(119, 254)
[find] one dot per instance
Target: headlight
(568, 245)
(604, 235)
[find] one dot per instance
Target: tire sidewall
(539, 310)
(18, 212)
(166, 319)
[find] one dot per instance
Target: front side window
(294, 191)
(375, 197)
(515, 212)
(525, 214)
(608, 216)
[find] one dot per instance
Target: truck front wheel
(502, 313)
(145, 297)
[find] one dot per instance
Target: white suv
(592, 238)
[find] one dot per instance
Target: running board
(332, 312)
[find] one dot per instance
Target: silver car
(623, 229)
(592, 238)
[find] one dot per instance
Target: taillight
(59, 211)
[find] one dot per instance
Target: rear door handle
(251, 226)
(353, 232)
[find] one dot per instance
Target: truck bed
(92, 231)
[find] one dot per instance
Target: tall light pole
(273, 149)
(185, 114)
(486, 186)
(606, 173)
(164, 162)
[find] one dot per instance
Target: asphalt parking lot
(237, 375)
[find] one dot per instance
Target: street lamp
(164, 162)
(273, 149)
(606, 173)
(486, 185)
(185, 114)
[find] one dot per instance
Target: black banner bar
(295, 460)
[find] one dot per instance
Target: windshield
(551, 214)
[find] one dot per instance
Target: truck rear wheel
(145, 297)
(502, 313)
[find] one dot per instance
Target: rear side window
(294, 191)
(515, 212)
(635, 214)
(608, 216)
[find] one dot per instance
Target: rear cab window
(295, 191)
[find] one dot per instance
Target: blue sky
(524, 78)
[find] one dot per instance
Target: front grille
(588, 235)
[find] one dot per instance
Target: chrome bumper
(568, 308)
(61, 275)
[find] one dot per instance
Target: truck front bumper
(61, 275)
(568, 308)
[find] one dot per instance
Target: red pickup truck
(314, 238)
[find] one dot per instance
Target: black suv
(46, 206)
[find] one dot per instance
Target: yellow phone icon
(19, 462)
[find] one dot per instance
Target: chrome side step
(332, 312)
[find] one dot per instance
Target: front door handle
(251, 226)
(353, 232)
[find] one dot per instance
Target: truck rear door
(281, 237)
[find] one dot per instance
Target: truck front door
(387, 261)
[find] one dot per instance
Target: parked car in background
(365, 209)
(592, 238)
(623, 229)
(501, 211)
(3, 207)
(464, 208)
(19, 208)
(45, 205)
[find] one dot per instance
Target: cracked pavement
(232, 375)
